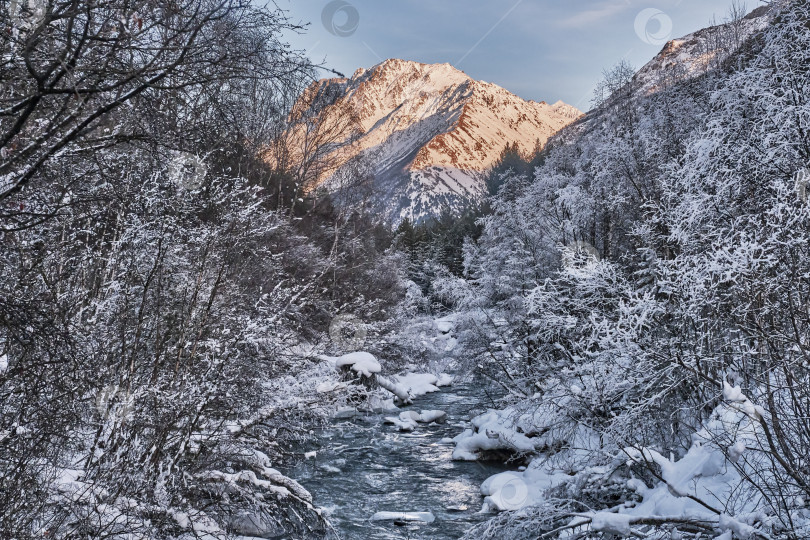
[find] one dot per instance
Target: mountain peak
(398, 63)
(431, 133)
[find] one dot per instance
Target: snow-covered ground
(701, 486)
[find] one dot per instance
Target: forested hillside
(643, 300)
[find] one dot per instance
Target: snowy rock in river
(408, 420)
(432, 416)
(493, 431)
(423, 517)
(404, 423)
(418, 384)
(360, 362)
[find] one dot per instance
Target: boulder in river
(421, 517)
(407, 420)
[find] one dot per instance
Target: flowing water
(364, 466)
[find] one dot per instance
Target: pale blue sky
(538, 49)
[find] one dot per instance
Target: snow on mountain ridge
(700, 51)
(432, 132)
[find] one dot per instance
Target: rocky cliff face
(430, 133)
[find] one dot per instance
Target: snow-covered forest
(185, 315)
(156, 275)
(643, 299)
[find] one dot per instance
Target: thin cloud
(595, 15)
